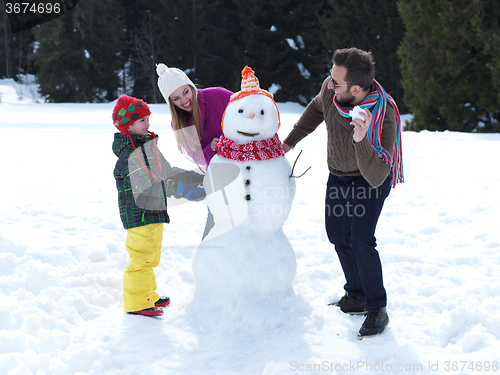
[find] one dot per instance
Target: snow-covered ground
(62, 259)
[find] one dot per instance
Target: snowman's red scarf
(257, 150)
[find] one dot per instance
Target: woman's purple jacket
(212, 102)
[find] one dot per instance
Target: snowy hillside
(24, 90)
(62, 259)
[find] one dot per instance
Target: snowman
(250, 192)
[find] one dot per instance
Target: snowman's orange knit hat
(250, 86)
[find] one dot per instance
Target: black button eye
(262, 112)
(240, 110)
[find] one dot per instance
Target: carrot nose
(251, 115)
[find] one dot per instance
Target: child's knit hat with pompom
(127, 111)
(170, 79)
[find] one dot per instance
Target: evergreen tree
(78, 53)
(146, 43)
(371, 26)
(282, 42)
(15, 50)
(214, 40)
(201, 37)
(451, 62)
(143, 42)
(217, 48)
(5, 62)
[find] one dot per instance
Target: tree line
(439, 59)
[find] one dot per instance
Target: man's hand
(361, 126)
(286, 148)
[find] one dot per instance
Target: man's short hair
(359, 64)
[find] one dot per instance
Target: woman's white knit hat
(170, 79)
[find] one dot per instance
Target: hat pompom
(161, 68)
(246, 72)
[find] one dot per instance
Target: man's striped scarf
(378, 100)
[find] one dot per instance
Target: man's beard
(345, 101)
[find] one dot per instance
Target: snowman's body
(247, 253)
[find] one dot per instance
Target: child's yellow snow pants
(139, 283)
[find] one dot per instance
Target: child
(144, 180)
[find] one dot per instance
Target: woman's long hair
(180, 121)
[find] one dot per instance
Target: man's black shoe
(375, 323)
(350, 306)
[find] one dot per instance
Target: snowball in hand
(356, 113)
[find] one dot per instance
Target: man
(364, 160)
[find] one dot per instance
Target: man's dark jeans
(352, 209)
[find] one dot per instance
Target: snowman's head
(251, 118)
(252, 114)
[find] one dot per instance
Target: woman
(196, 116)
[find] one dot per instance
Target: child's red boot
(152, 311)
